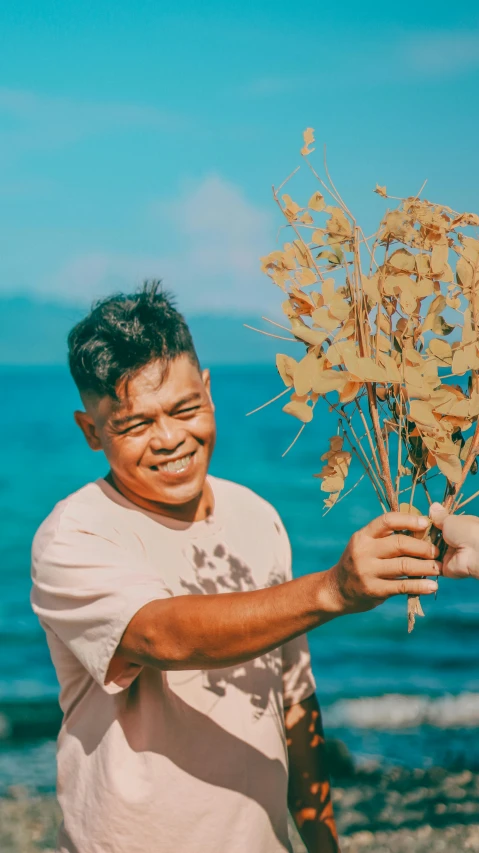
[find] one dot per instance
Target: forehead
(155, 386)
(161, 383)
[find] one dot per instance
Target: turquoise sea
(392, 697)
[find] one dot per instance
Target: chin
(176, 494)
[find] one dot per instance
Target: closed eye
(187, 411)
(131, 428)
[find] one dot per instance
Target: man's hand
(377, 565)
(461, 534)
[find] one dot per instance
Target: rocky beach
(378, 810)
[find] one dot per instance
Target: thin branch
(273, 323)
(323, 184)
(270, 335)
(287, 179)
(368, 434)
(345, 494)
(386, 471)
(342, 203)
(367, 470)
(366, 462)
(273, 400)
(293, 441)
(467, 501)
(299, 235)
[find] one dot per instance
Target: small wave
(396, 711)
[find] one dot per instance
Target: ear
(88, 428)
(206, 377)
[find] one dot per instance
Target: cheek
(203, 428)
(208, 430)
(128, 451)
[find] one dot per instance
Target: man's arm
(309, 793)
(214, 631)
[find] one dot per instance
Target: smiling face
(158, 437)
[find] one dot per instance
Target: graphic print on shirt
(216, 571)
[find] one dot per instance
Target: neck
(198, 509)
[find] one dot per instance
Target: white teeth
(178, 465)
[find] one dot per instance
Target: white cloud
(49, 121)
(265, 87)
(217, 238)
(442, 53)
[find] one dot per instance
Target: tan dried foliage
(389, 324)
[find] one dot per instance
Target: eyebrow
(119, 422)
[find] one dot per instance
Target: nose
(167, 437)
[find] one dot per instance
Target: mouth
(175, 466)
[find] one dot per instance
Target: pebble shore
(377, 810)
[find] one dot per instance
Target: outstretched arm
(214, 631)
(309, 793)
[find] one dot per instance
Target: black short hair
(122, 334)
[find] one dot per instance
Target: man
(174, 625)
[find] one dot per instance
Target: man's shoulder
(82, 510)
(245, 499)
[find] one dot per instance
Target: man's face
(159, 437)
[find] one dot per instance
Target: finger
(461, 562)
(409, 567)
(406, 587)
(398, 544)
(456, 563)
(438, 515)
(390, 521)
(461, 531)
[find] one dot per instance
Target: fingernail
(423, 522)
(438, 567)
(432, 585)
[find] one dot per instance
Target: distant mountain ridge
(34, 332)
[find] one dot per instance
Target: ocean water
(399, 698)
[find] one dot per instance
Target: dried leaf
(466, 448)
(392, 371)
(286, 366)
(364, 368)
(409, 509)
(318, 237)
(317, 202)
(305, 372)
(338, 226)
(450, 466)
(308, 138)
(440, 327)
(299, 410)
(441, 350)
(439, 257)
(290, 209)
(329, 380)
(306, 277)
(421, 412)
(302, 253)
(336, 468)
(371, 288)
(323, 318)
(381, 191)
(403, 260)
(310, 336)
(349, 391)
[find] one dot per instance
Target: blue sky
(142, 138)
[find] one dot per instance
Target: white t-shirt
(164, 762)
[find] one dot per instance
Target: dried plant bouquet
(389, 323)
